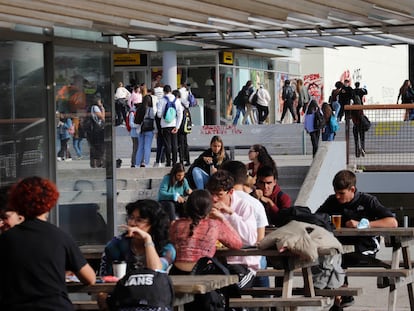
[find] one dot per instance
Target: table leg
(287, 284)
(308, 282)
(395, 264)
(408, 265)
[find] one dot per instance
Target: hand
(137, 233)
(208, 160)
(216, 214)
(259, 194)
(352, 223)
(180, 199)
(223, 208)
(174, 131)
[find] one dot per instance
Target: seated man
(354, 206)
(270, 194)
(240, 215)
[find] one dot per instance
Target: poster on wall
(314, 84)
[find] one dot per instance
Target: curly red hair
(33, 196)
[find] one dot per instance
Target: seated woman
(144, 242)
(173, 191)
(196, 235)
(259, 157)
(208, 162)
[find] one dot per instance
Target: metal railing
(388, 145)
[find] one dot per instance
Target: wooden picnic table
(185, 286)
(400, 240)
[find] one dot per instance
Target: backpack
(357, 100)
(127, 124)
(319, 121)
(170, 111)
(142, 287)
(186, 123)
(217, 300)
(333, 123)
(191, 99)
(254, 99)
(140, 112)
(288, 93)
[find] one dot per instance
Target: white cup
(119, 268)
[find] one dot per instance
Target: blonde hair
(222, 153)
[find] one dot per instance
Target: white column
(169, 66)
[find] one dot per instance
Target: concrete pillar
(169, 64)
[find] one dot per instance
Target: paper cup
(119, 268)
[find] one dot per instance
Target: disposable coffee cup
(119, 268)
(336, 220)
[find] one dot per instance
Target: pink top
(203, 241)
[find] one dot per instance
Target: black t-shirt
(363, 205)
(34, 258)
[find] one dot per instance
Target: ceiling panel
(245, 24)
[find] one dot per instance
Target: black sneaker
(347, 301)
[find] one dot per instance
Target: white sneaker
(68, 160)
(59, 159)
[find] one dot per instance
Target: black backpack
(217, 300)
(144, 288)
(319, 121)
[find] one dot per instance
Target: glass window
(23, 114)
(83, 99)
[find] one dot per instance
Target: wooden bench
(279, 302)
(265, 291)
(363, 272)
(85, 305)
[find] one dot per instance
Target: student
(195, 235)
(310, 125)
(36, 254)
(208, 162)
(355, 206)
(238, 212)
(174, 190)
(269, 193)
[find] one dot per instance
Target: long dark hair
(198, 206)
(158, 219)
(147, 101)
(177, 168)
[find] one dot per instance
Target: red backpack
(128, 126)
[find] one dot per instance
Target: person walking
(263, 100)
(345, 96)
(288, 97)
(241, 100)
(407, 97)
(303, 98)
(310, 127)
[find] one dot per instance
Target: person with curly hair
(35, 254)
(144, 243)
(173, 191)
(207, 163)
(195, 236)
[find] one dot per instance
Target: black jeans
(263, 112)
(183, 148)
(170, 144)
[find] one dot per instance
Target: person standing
(35, 255)
(355, 206)
(263, 100)
(303, 98)
(288, 97)
(64, 124)
(249, 115)
(334, 99)
(359, 93)
(358, 132)
(134, 133)
(183, 150)
(121, 97)
(310, 128)
(157, 93)
(96, 137)
(345, 96)
(407, 97)
(169, 129)
(146, 133)
(328, 133)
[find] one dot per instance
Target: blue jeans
(144, 148)
(77, 145)
(200, 177)
(238, 111)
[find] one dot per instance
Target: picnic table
(185, 286)
(400, 275)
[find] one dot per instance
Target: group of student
(235, 204)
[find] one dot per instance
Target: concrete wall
(317, 185)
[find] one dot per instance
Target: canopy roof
(235, 24)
